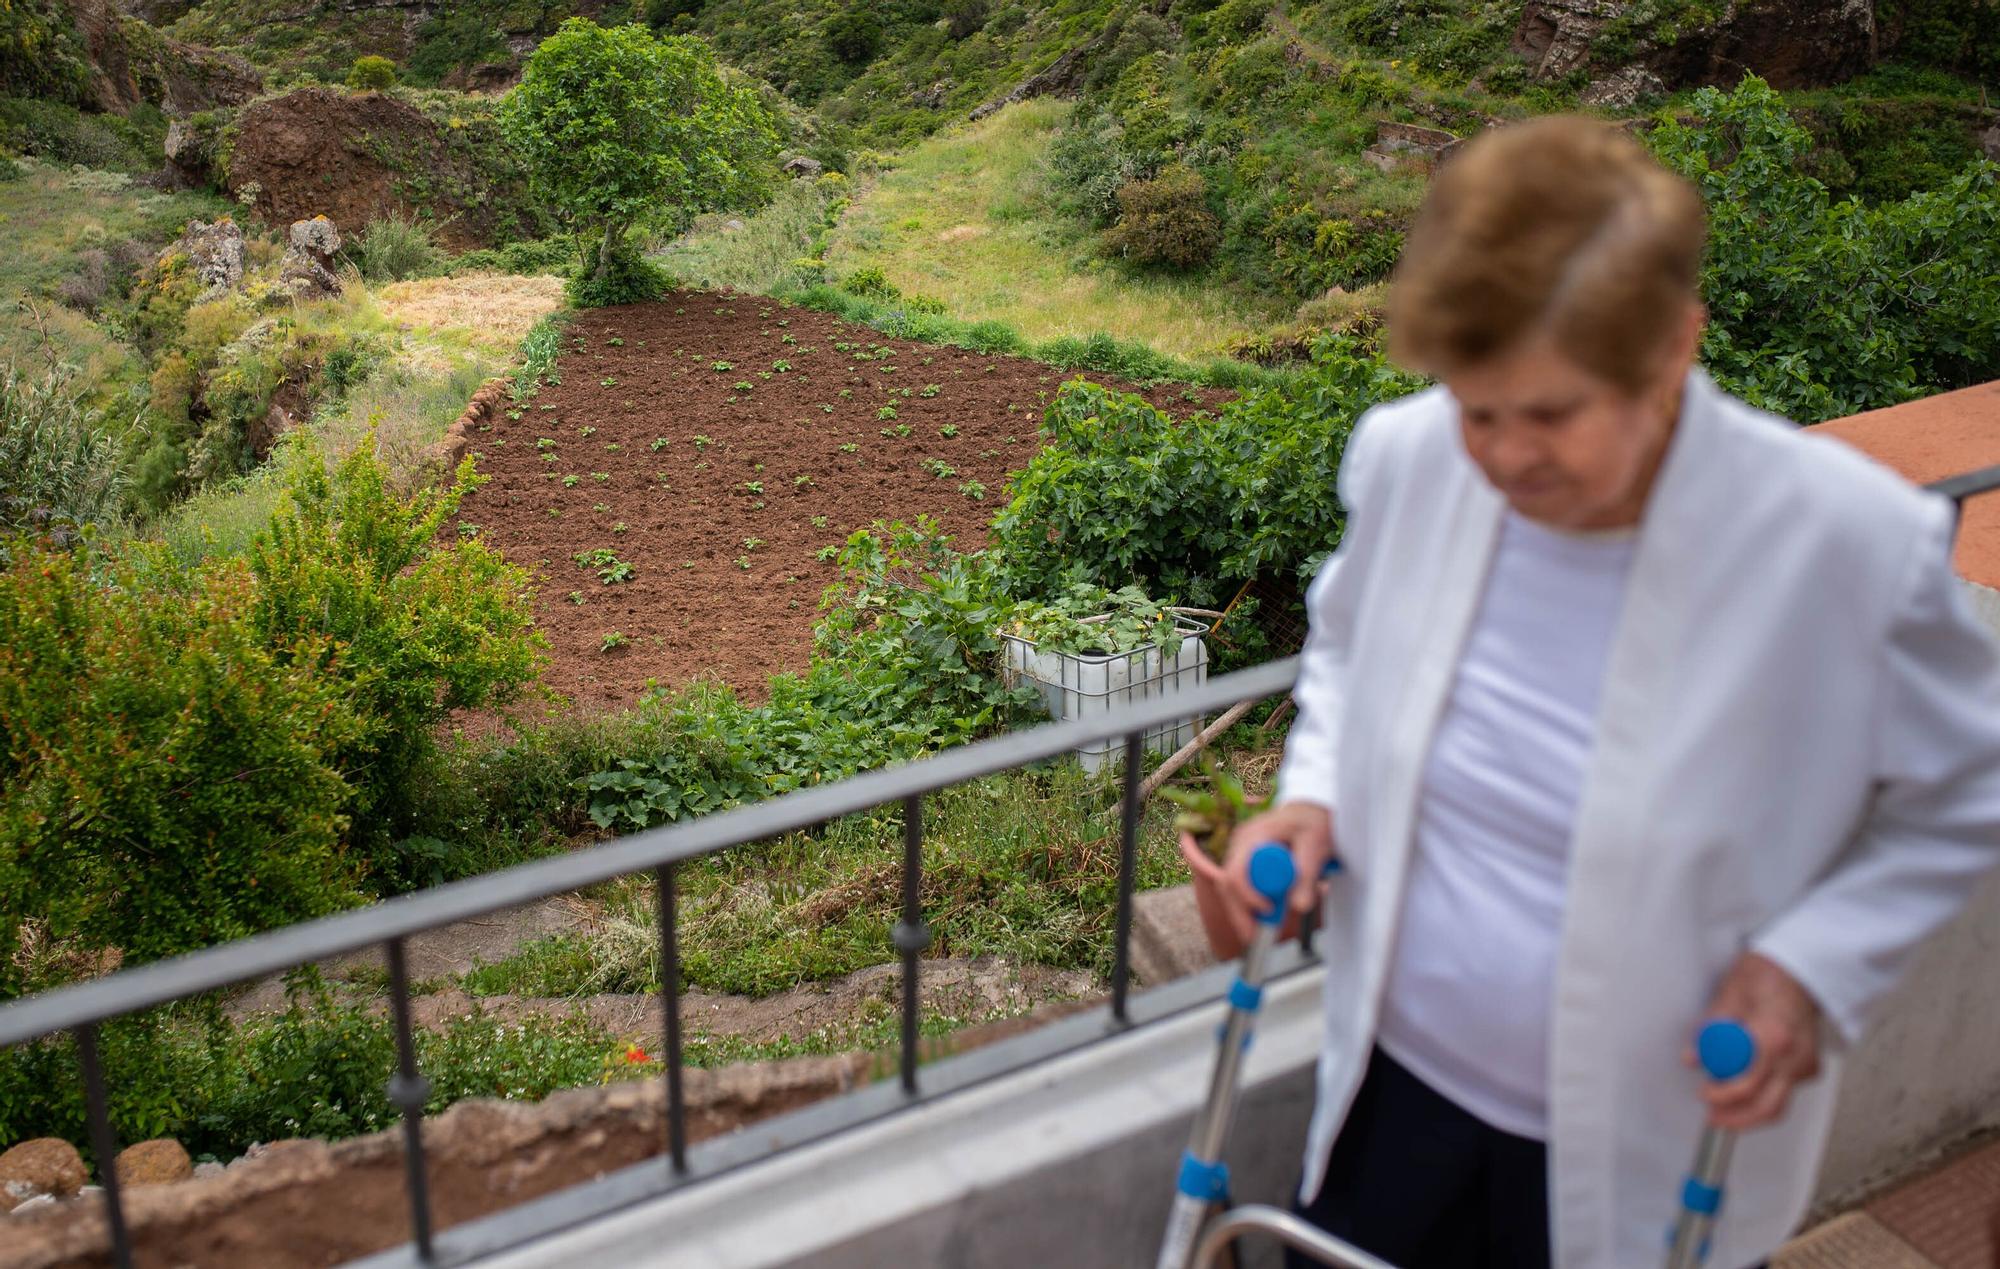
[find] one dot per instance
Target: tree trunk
(605, 250)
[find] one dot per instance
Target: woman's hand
(1305, 827)
(1783, 1019)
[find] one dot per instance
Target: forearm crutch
(1204, 1177)
(1726, 1051)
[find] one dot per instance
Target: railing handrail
(1964, 485)
(147, 986)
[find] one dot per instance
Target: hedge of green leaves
(1122, 494)
(1822, 308)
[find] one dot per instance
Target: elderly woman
(1625, 706)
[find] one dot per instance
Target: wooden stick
(1186, 752)
(1278, 714)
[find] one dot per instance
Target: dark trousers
(1424, 1185)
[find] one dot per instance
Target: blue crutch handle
(1271, 874)
(1725, 1049)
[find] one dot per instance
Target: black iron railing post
(104, 1142)
(670, 1005)
(1128, 864)
(912, 936)
(408, 1091)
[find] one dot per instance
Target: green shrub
(661, 13)
(394, 248)
(1234, 19)
(42, 54)
(63, 134)
(534, 256)
(1166, 221)
(1088, 165)
(964, 17)
(10, 170)
(855, 35)
(1819, 308)
(165, 772)
(320, 1069)
(371, 73)
(1121, 494)
(870, 283)
(458, 35)
(626, 277)
(59, 463)
(355, 584)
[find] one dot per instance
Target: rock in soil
(45, 1165)
(161, 1161)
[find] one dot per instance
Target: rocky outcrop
(1623, 89)
(307, 270)
(215, 252)
(1791, 43)
(132, 62)
(1061, 78)
(362, 157)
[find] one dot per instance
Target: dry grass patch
(496, 309)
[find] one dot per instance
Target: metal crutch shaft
(1726, 1051)
(1204, 1178)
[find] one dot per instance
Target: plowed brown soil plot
(716, 444)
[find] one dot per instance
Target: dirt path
(717, 444)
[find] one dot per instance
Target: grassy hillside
(962, 218)
(71, 242)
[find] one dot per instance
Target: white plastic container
(1088, 686)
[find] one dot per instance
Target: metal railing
(81, 1008)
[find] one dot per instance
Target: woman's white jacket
(1797, 751)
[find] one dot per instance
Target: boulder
(1989, 141)
(803, 167)
(216, 254)
(307, 270)
(161, 1161)
(45, 1165)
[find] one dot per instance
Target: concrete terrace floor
(1946, 1218)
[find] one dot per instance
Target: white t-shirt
(1471, 986)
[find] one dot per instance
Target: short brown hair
(1560, 224)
